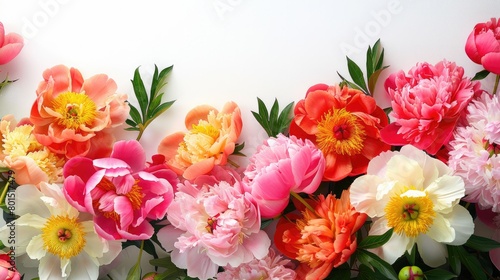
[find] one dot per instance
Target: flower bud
(149, 276)
(411, 273)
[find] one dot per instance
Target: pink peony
(122, 191)
(487, 224)
(211, 226)
(475, 152)
(73, 116)
(10, 45)
(282, 165)
(273, 266)
(483, 45)
(8, 269)
(427, 103)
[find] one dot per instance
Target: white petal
(35, 248)
(445, 192)
(461, 221)
(114, 248)
(94, 244)
(50, 268)
(28, 201)
(406, 171)
(363, 195)
(66, 267)
(433, 253)
(441, 230)
(395, 247)
(120, 266)
(55, 200)
(84, 268)
(21, 235)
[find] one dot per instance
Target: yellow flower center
(340, 132)
(75, 109)
(135, 197)
(63, 236)
(410, 215)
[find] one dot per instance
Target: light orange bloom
(210, 140)
(73, 116)
(321, 239)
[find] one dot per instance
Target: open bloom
(10, 45)
(73, 116)
(418, 196)
(210, 140)
(282, 165)
(344, 124)
(273, 267)
(322, 238)
(58, 235)
(31, 162)
(120, 191)
(8, 269)
(475, 152)
(211, 226)
(483, 45)
(427, 103)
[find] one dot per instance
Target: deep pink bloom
(10, 45)
(427, 103)
(8, 270)
(282, 165)
(122, 191)
(483, 45)
(211, 226)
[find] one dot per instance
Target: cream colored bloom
(418, 197)
(50, 230)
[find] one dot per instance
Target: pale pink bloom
(272, 267)
(282, 165)
(10, 45)
(474, 152)
(211, 226)
(427, 103)
(120, 191)
(488, 225)
(73, 116)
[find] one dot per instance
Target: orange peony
(210, 140)
(321, 239)
(73, 116)
(344, 124)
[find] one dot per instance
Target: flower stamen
(74, 109)
(63, 236)
(410, 215)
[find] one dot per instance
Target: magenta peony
(282, 165)
(212, 226)
(483, 45)
(122, 191)
(427, 103)
(10, 45)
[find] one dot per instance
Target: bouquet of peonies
(341, 188)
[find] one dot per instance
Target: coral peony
(344, 124)
(73, 116)
(10, 45)
(121, 191)
(475, 152)
(483, 45)
(210, 140)
(418, 197)
(211, 226)
(427, 103)
(323, 238)
(282, 165)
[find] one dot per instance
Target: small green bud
(411, 273)
(149, 276)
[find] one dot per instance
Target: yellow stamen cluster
(410, 216)
(75, 109)
(63, 236)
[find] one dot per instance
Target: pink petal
(491, 62)
(131, 152)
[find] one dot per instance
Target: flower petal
(395, 247)
(35, 248)
(433, 253)
(461, 221)
(50, 268)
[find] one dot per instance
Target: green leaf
(481, 75)
(454, 260)
(284, 119)
(274, 122)
(350, 84)
(374, 261)
(273, 114)
(367, 273)
(134, 114)
(412, 256)
(356, 74)
(375, 241)
(155, 102)
(160, 109)
(482, 244)
(238, 148)
(161, 77)
(380, 60)
(341, 272)
(140, 91)
(372, 80)
(439, 274)
(369, 62)
(469, 261)
(262, 109)
(135, 272)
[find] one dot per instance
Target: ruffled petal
(433, 253)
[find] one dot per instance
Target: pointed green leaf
(135, 272)
(262, 109)
(238, 148)
(132, 129)
(155, 103)
(471, 262)
(284, 118)
(131, 122)
(380, 60)
(154, 82)
(140, 91)
(273, 115)
(482, 244)
(412, 256)
(160, 109)
(439, 274)
(134, 114)
(351, 84)
(160, 81)
(369, 61)
(481, 75)
(356, 74)
(372, 80)
(372, 260)
(374, 241)
(454, 260)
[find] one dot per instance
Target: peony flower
(418, 196)
(10, 45)
(427, 103)
(488, 225)
(57, 235)
(73, 116)
(288, 165)
(119, 191)
(31, 162)
(272, 267)
(322, 238)
(211, 226)
(474, 152)
(8, 269)
(210, 140)
(483, 45)
(344, 124)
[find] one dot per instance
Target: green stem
(299, 198)
(4, 192)
(495, 87)
(140, 253)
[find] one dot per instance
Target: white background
(229, 49)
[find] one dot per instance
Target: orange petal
(199, 168)
(168, 145)
(198, 113)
